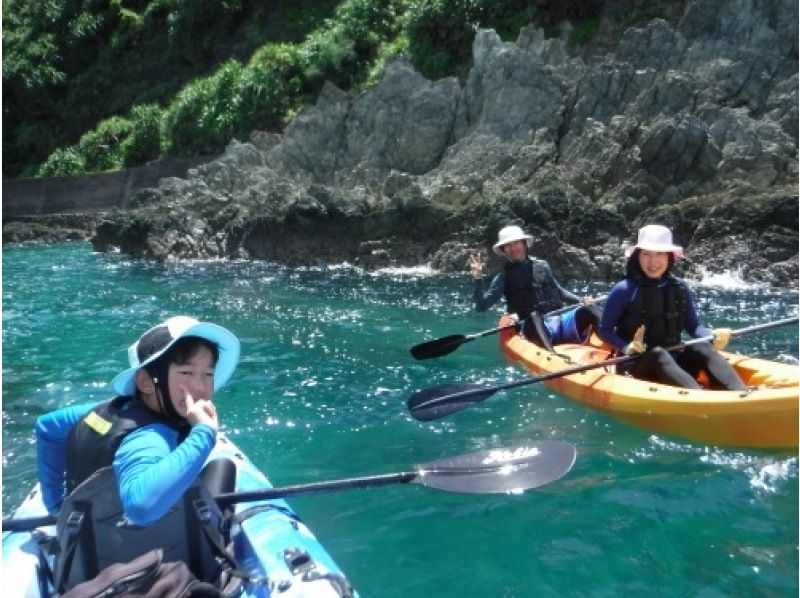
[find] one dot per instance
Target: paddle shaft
(765, 326)
(555, 312)
(472, 337)
(445, 345)
(583, 368)
(26, 524)
(489, 471)
(551, 375)
(386, 479)
(225, 500)
(566, 308)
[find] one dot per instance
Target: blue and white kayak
(273, 544)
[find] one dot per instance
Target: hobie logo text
(505, 455)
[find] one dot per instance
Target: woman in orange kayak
(649, 309)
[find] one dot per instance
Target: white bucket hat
(655, 237)
(155, 342)
(509, 234)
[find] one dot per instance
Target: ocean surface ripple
(320, 394)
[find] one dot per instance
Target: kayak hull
(765, 416)
(263, 547)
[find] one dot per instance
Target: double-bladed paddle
(445, 345)
(493, 471)
(440, 401)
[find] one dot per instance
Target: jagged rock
(453, 256)
(691, 123)
(55, 228)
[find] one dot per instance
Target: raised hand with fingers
(200, 411)
(476, 265)
(722, 336)
(636, 346)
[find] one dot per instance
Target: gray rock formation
(694, 126)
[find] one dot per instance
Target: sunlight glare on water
(320, 394)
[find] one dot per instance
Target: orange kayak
(764, 416)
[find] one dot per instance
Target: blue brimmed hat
(156, 341)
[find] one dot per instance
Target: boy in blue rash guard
(157, 433)
(531, 290)
(649, 309)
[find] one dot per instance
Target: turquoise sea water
(320, 394)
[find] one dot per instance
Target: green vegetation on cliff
(90, 86)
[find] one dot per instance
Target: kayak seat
(93, 533)
(702, 379)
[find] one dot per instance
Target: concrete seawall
(87, 193)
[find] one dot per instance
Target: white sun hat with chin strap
(156, 341)
(509, 234)
(655, 237)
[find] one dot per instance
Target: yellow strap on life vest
(97, 423)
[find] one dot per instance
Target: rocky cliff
(693, 125)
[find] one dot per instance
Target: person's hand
(201, 411)
(476, 264)
(722, 336)
(636, 346)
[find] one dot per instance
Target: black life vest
(93, 442)
(92, 530)
(660, 308)
(530, 286)
(93, 533)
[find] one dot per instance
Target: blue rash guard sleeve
(484, 301)
(153, 470)
(566, 296)
(618, 299)
(52, 432)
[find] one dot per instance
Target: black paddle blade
(440, 401)
(438, 347)
(503, 470)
